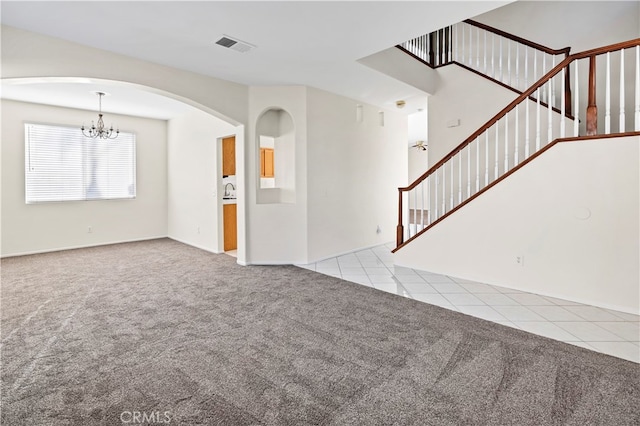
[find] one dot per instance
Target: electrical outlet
(89, 230)
(520, 260)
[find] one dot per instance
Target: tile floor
(602, 330)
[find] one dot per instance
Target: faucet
(226, 189)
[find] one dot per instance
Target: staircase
(546, 112)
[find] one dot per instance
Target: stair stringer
(571, 215)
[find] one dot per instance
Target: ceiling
(297, 43)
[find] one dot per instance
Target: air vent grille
(234, 44)
(226, 42)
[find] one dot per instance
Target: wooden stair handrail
(527, 93)
(563, 51)
(510, 172)
(444, 43)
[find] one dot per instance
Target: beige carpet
(172, 334)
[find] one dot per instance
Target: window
(62, 165)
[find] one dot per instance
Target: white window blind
(62, 165)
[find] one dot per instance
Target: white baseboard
(345, 252)
(107, 243)
(198, 246)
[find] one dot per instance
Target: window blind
(63, 165)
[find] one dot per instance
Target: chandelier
(99, 130)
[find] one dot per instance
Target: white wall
(354, 169)
(464, 96)
(54, 226)
(195, 179)
(26, 54)
(418, 131)
(401, 66)
(581, 25)
(573, 214)
(276, 231)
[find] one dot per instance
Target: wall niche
(275, 157)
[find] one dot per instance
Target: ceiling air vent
(234, 44)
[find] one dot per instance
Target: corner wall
(55, 226)
(194, 178)
(276, 231)
(572, 214)
(354, 169)
(464, 96)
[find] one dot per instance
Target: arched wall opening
(192, 133)
(276, 157)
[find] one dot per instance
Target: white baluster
(437, 48)
(459, 177)
(444, 189)
(452, 190)
(429, 219)
(552, 101)
(500, 61)
(470, 47)
(518, 66)
(462, 51)
(478, 48)
(422, 205)
(515, 142)
(535, 65)
(562, 104)
(526, 67)
(622, 118)
(506, 142)
(495, 170)
(415, 210)
(549, 114)
(493, 55)
(477, 164)
(576, 102)
(509, 60)
(451, 47)
(526, 128)
(406, 213)
(468, 170)
(486, 158)
(435, 196)
(607, 97)
(637, 107)
(455, 40)
(538, 124)
(424, 48)
(485, 52)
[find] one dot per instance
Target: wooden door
(230, 227)
(229, 156)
